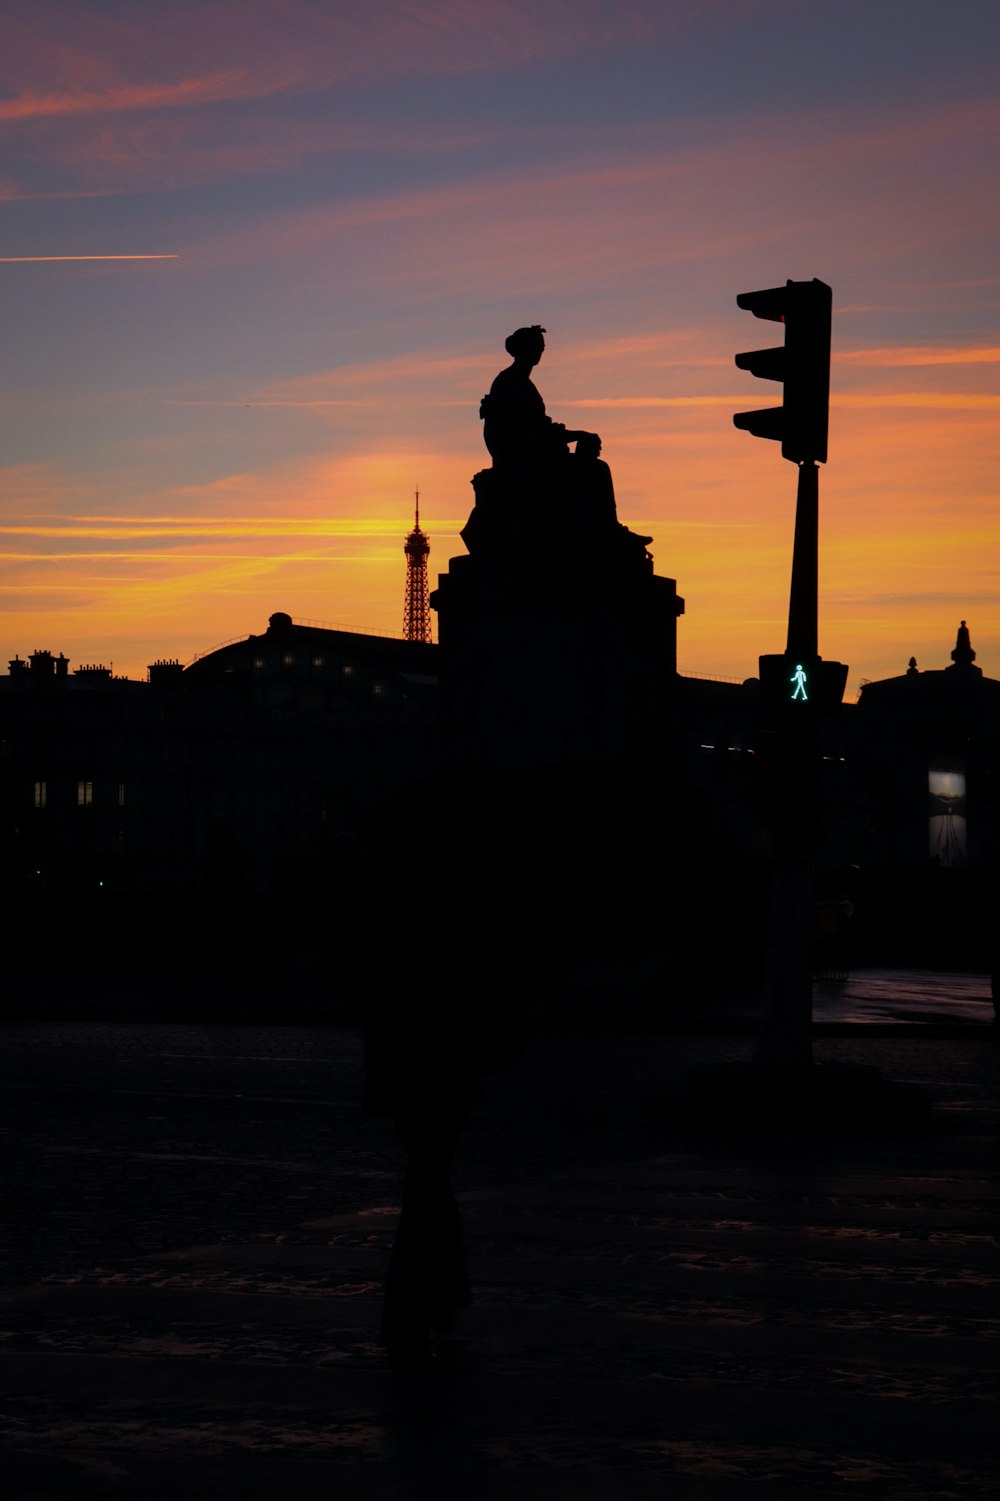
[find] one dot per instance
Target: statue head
(526, 343)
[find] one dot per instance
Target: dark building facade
(201, 792)
(931, 741)
(113, 784)
(920, 815)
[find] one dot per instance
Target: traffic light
(799, 682)
(801, 364)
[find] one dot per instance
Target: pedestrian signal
(798, 682)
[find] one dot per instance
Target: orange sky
(363, 202)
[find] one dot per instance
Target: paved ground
(906, 996)
(201, 1219)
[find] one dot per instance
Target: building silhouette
(180, 801)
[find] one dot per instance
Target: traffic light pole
(803, 601)
(786, 1032)
(783, 1089)
(798, 686)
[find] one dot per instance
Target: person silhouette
(425, 1058)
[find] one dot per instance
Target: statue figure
(554, 497)
(520, 437)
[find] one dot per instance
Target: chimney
(42, 665)
(165, 672)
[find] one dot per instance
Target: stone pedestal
(557, 661)
(558, 669)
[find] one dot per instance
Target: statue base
(556, 649)
(558, 675)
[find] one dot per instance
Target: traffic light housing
(801, 364)
(799, 683)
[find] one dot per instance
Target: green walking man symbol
(799, 679)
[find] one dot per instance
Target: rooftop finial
(963, 655)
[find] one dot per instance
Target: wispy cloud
(959, 401)
(147, 528)
(611, 402)
(970, 354)
(632, 204)
(121, 97)
(313, 43)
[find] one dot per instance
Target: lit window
(121, 794)
(258, 662)
(317, 661)
(377, 690)
(288, 659)
(948, 828)
(41, 793)
(347, 670)
(84, 794)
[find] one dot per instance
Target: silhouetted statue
(522, 439)
(538, 493)
(595, 488)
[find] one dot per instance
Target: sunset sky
(259, 258)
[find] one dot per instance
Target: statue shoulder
(505, 383)
(513, 389)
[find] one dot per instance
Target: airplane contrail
(9, 260)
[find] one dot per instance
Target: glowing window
(948, 830)
(377, 690)
(84, 794)
(258, 662)
(288, 659)
(317, 661)
(41, 794)
(946, 784)
(347, 670)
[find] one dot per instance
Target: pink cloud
(53, 45)
(134, 150)
(589, 220)
(131, 97)
(972, 354)
(65, 65)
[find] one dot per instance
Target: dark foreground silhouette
(428, 1049)
(427, 1282)
(423, 1071)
